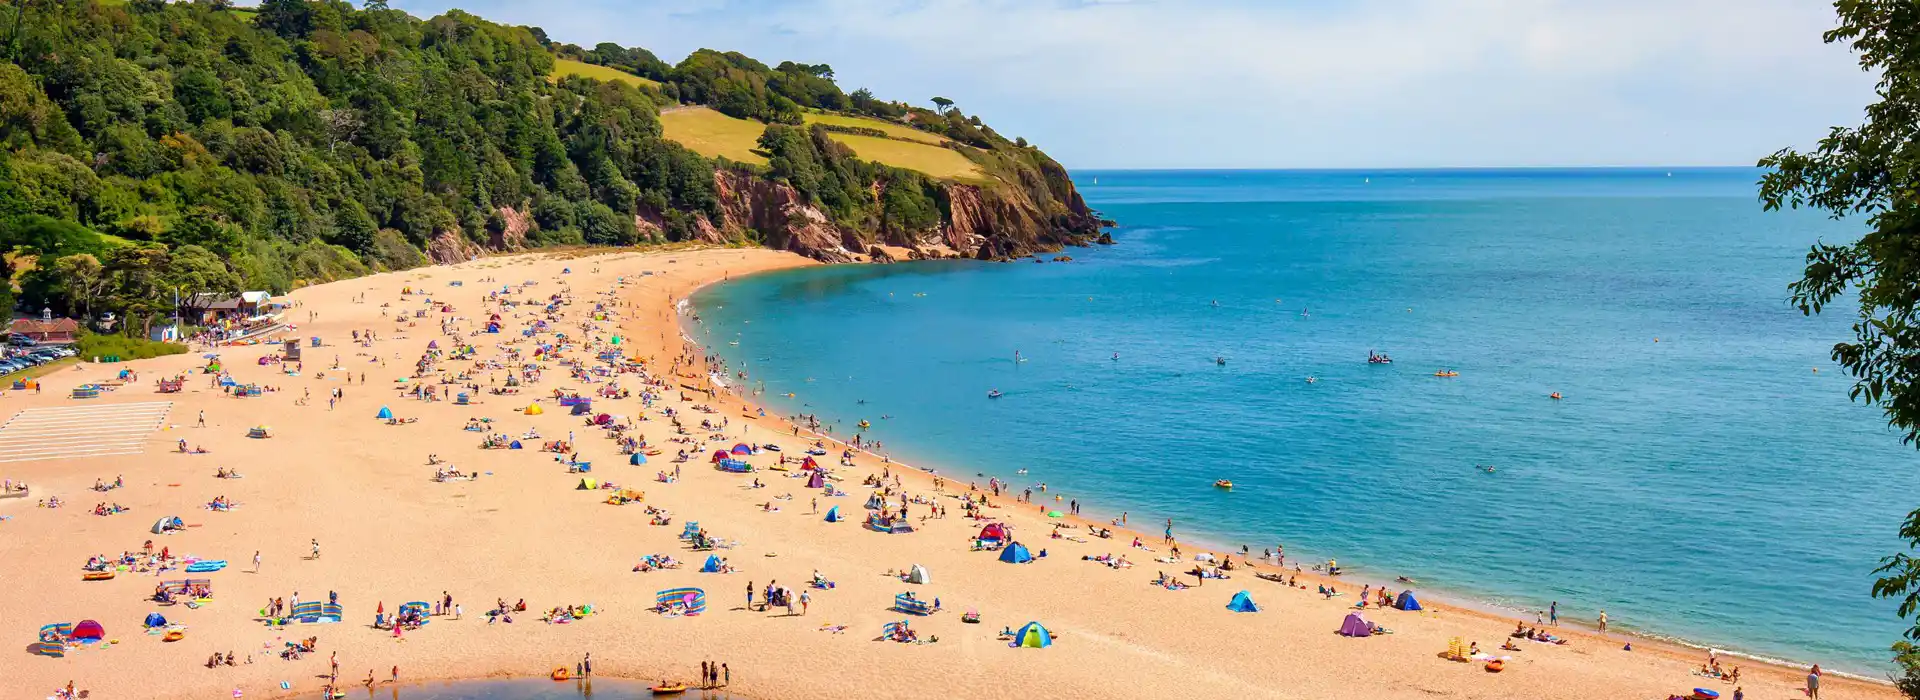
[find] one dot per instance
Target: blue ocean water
(1700, 480)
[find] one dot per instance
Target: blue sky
(1296, 83)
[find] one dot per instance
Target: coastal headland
(389, 533)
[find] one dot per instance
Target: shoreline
(525, 531)
(1447, 598)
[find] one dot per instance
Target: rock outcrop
(514, 236)
(449, 246)
(752, 207)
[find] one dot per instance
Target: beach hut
(1242, 602)
(88, 631)
(1406, 601)
(1033, 635)
(918, 574)
(588, 484)
(155, 619)
(833, 515)
(637, 459)
(1356, 626)
(742, 449)
(712, 566)
(994, 533)
(384, 414)
(683, 601)
(1016, 553)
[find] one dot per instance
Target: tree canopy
(1870, 172)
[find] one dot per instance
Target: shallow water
(1709, 486)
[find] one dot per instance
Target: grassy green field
(898, 131)
(933, 160)
(37, 372)
(563, 67)
(713, 134)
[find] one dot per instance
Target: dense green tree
(1872, 172)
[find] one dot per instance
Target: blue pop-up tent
(833, 514)
(637, 459)
(1033, 636)
(1016, 553)
(1242, 602)
(384, 414)
(712, 566)
(1406, 601)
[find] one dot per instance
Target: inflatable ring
(561, 674)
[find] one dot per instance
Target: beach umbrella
(637, 459)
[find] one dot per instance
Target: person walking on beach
(1603, 622)
(203, 418)
(1553, 614)
(1169, 532)
(316, 549)
(1813, 683)
(805, 598)
(586, 665)
(727, 674)
(256, 561)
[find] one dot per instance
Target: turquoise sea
(1699, 481)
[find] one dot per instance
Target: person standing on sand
(1813, 683)
(728, 674)
(586, 665)
(316, 549)
(256, 561)
(749, 596)
(1603, 622)
(203, 418)
(703, 674)
(1553, 614)
(805, 598)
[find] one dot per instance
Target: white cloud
(1295, 83)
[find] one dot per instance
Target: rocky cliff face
(987, 223)
(753, 207)
(449, 246)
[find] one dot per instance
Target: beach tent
(581, 409)
(993, 532)
(918, 574)
(808, 463)
(720, 455)
(513, 445)
(384, 414)
(533, 409)
(1033, 636)
(1016, 553)
(1242, 602)
(1406, 601)
(588, 484)
(1356, 626)
(155, 619)
(833, 515)
(89, 631)
(637, 459)
(712, 566)
(816, 480)
(742, 449)
(161, 526)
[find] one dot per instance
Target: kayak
(674, 689)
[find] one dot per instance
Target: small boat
(1220, 361)
(1496, 666)
(673, 689)
(1374, 358)
(560, 673)
(771, 448)
(994, 394)
(1223, 483)
(1446, 373)
(96, 576)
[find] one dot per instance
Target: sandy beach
(389, 534)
